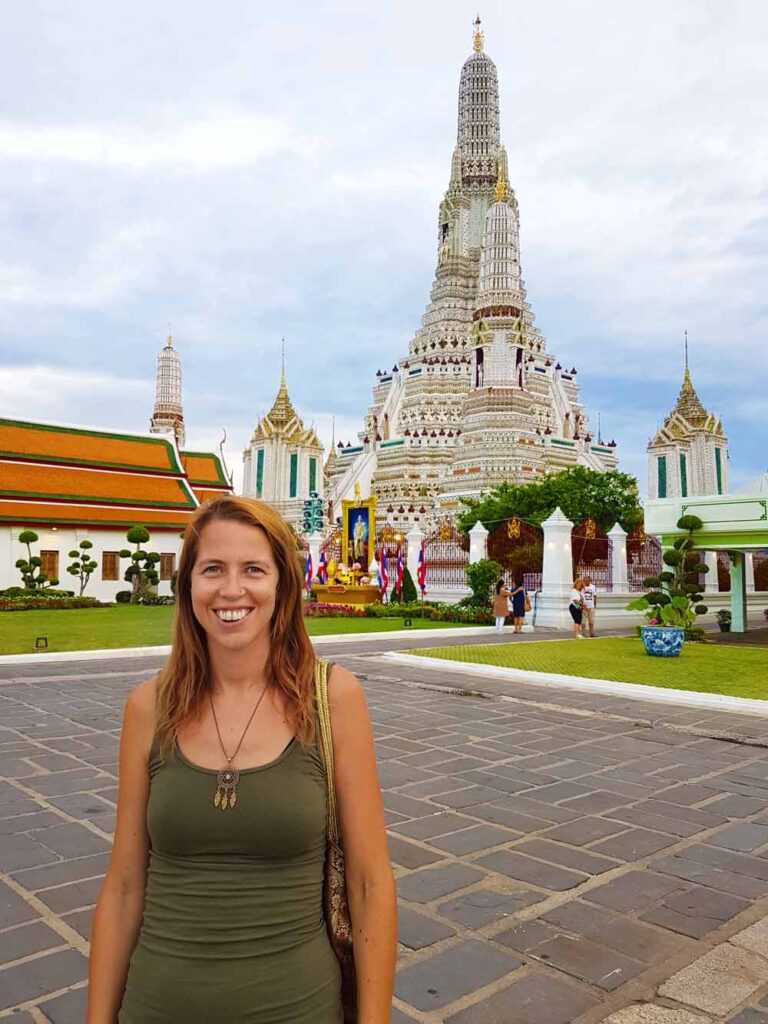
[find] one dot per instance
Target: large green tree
(580, 493)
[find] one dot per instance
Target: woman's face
(234, 584)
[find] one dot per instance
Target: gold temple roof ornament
(477, 38)
(501, 189)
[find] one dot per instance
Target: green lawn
(734, 672)
(86, 629)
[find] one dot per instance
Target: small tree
(31, 570)
(482, 577)
(409, 587)
(673, 597)
(82, 564)
(141, 573)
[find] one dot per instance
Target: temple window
(167, 565)
(661, 476)
(50, 566)
(110, 565)
(719, 470)
(294, 477)
(259, 472)
(683, 476)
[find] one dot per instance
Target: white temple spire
(168, 414)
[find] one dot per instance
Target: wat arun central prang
(478, 399)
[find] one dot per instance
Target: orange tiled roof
(205, 469)
(31, 513)
(41, 442)
(76, 484)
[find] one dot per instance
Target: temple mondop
(688, 456)
(478, 399)
(168, 414)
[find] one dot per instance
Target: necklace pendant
(226, 788)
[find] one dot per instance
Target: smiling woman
(217, 917)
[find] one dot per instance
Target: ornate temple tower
(168, 415)
(477, 400)
(283, 462)
(689, 455)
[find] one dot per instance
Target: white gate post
(557, 568)
(710, 580)
(478, 543)
(749, 572)
(413, 539)
(619, 570)
(315, 540)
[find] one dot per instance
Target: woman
(575, 607)
(519, 595)
(500, 604)
(211, 910)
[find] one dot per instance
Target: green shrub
(482, 577)
(123, 597)
(36, 602)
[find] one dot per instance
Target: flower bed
(321, 610)
(51, 604)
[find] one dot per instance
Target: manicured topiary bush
(673, 598)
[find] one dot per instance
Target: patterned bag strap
(326, 746)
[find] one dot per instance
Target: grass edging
(553, 680)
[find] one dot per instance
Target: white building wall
(65, 540)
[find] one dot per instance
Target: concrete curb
(634, 691)
(159, 652)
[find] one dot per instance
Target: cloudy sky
(246, 171)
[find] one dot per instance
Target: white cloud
(224, 140)
(80, 398)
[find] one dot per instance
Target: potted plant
(672, 601)
(724, 620)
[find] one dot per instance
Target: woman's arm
(370, 883)
(121, 901)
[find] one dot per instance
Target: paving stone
(431, 883)
(454, 973)
(749, 1016)
(566, 856)
(14, 909)
(695, 912)
(589, 961)
(81, 921)
(398, 1017)
(633, 891)
(75, 781)
(68, 1008)
(657, 822)
(486, 906)
(69, 897)
(26, 940)
(738, 806)
(647, 1013)
(81, 805)
(467, 797)
(584, 831)
(408, 805)
(18, 851)
(539, 809)
(754, 938)
(687, 795)
(598, 802)
(739, 863)
(28, 823)
(527, 869)
(637, 940)
(72, 840)
(471, 840)
(718, 981)
(716, 878)
(36, 978)
(635, 844)
(417, 930)
(523, 824)
(526, 936)
(436, 824)
(536, 998)
(62, 871)
(409, 855)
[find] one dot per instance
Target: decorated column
(557, 570)
(315, 540)
(738, 593)
(618, 538)
(710, 584)
(478, 543)
(749, 572)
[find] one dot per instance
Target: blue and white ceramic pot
(662, 641)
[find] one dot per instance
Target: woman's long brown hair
(186, 678)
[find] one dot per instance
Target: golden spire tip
(477, 39)
(501, 189)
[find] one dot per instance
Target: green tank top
(233, 929)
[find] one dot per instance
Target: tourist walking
(589, 603)
(500, 604)
(211, 911)
(520, 604)
(576, 607)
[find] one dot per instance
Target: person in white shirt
(575, 607)
(589, 603)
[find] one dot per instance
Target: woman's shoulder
(346, 698)
(140, 712)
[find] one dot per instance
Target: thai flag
(399, 577)
(308, 571)
(322, 569)
(421, 570)
(383, 575)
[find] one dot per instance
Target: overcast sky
(246, 171)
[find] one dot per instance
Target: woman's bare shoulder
(140, 704)
(346, 698)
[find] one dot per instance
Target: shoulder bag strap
(326, 745)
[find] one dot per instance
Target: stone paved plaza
(560, 857)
